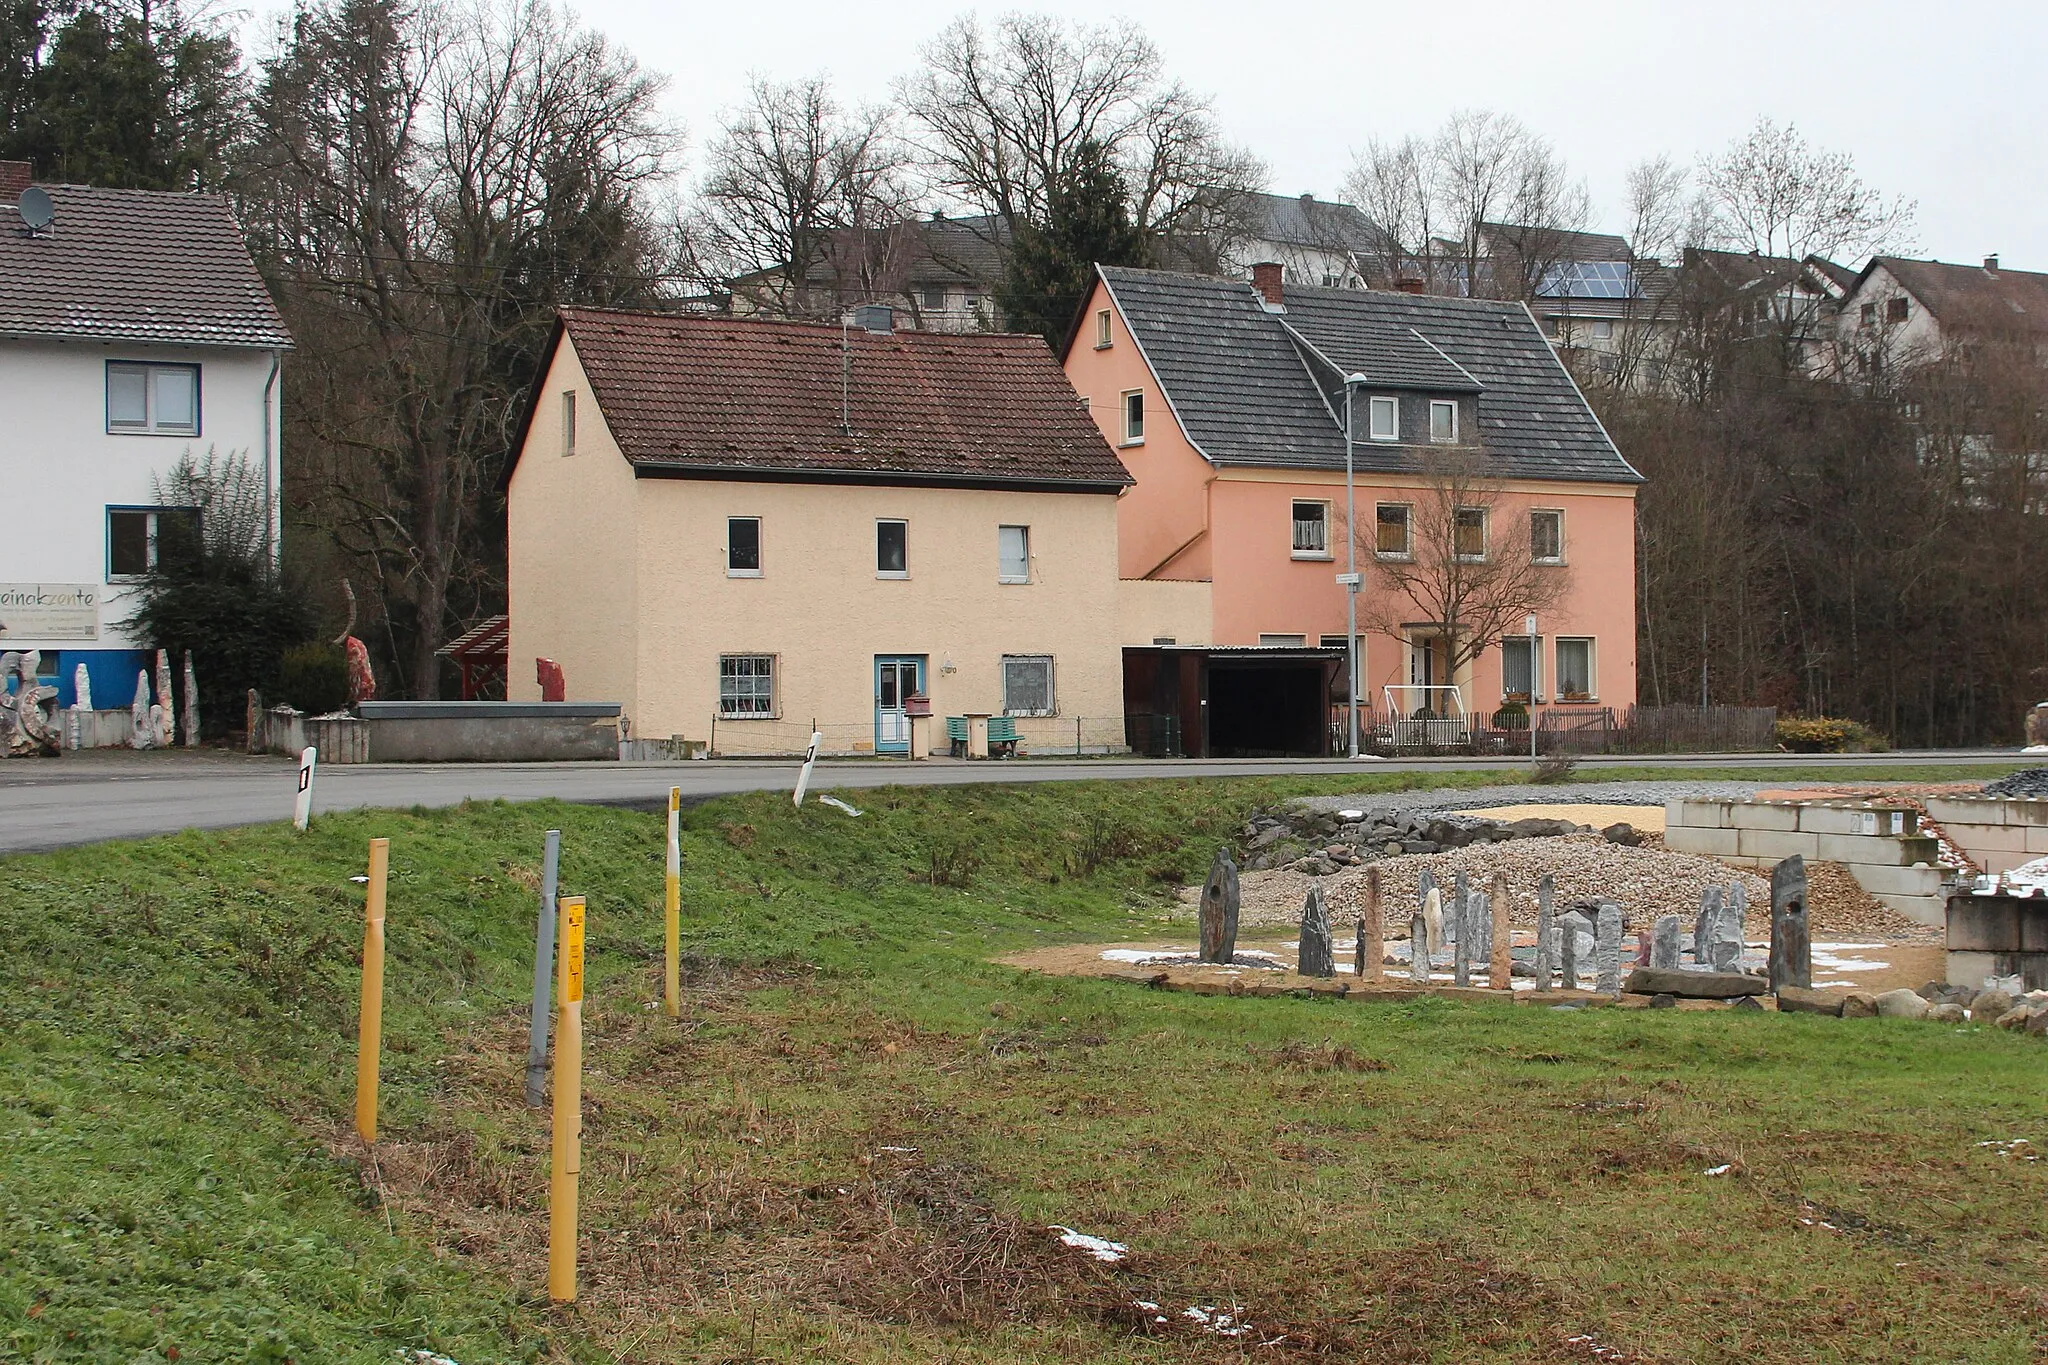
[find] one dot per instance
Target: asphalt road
(86, 797)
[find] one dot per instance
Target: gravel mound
(1572, 793)
(2025, 782)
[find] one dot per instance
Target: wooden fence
(1570, 730)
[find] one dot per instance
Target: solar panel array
(1589, 280)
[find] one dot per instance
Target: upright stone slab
(1418, 948)
(1433, 918)
(1546, 930)
(81, 686)
(1314, 956)
(1500, 964)
(1607, 949)
(1461, 947)
(165, 713)
(191, 714)
(1219, 910)
(1791, 961)
(1664, 942)
(1706, 926)
(1725, 936)
(1372, 948)
(142, 732)
(1568, 949)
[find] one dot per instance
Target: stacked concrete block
(1879, 843)
(1998, 833)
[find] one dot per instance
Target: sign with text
(49, 611)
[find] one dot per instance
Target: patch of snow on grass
(1100, 1248)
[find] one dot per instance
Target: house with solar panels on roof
(743, 529)
(1228, 403)
(134, 330)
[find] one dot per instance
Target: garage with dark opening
(1195, 701)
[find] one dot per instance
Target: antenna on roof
(36, 209)
(845, 375)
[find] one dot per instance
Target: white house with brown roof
(743, 529)
(134, 329)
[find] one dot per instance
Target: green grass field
(851, 1145)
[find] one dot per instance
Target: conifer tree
(1051, 267)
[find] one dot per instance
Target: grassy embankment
(1390, 1182)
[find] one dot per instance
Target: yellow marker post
(567, 1158)
(370, 1028)
(673, 988)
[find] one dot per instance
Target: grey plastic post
(543, 975)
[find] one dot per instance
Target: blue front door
(898, 677)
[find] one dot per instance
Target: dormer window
(1383, 419)
(1443, 421)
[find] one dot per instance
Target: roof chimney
(1991, 262)
(875, 317)
(14, 178)
(1409, 284)
(1266, 277)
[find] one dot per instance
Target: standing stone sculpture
(1219, 910)
(28, 713)
(1546, 930)
(1607, 949)
(81, 687)
(1568, 929)
(1461, 946)
(1418, 946)
(191, 705)
(142, 730)
(1791, 962)
(1725, 935)
(1314, 955)
(164, 715)
(1706, 925)
(1500, 964)
(1432, 919)
(1664, 942)
(1372, 949)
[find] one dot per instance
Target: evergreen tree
(1052, 265)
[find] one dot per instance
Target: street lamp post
(1350, 579)
(1529, 627)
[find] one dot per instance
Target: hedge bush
(1828, 735)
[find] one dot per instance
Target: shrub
(1511, 716)
(1828, 735)
(1554, 768)
(314, 678)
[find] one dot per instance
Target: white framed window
(742, 547)
(1282, 640)
(1546, 535)
(1394, 536)
(1520, 669)
(1102, 335)
(746, 685)
(135, 537)
(1311, 530)
(1027, 685)
(568, 421)
(892, 548)
(1383, 419)
(1013, 554)
(1134, 417)
(152, 399)
(1443, 421)
(1575, 676)
(1468, 532)
(1603, 330)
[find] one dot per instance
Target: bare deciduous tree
(1774, 194)
(1002, 112)
(796, 183)
(1470, 572)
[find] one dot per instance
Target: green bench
(1002, 735)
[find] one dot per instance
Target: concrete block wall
(1879, 843)
(1999, 833)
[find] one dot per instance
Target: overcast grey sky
(1946, 104)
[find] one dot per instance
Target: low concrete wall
(1880, 844)
(490, 731)
(1997, 935)
(1999, 833)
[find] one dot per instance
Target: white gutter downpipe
(271, 479)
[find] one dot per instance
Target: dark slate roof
(1247, 385)
(134, 266)
(916, 252)
(1971, 298)
(723, 397)
(1556, 243)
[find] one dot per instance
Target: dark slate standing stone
(1568, 949)
(1315, 957)
(1725, 934)
(1418, 948)
(1461, 948)
(1664, 942)
(1546, 930)
(1607, 949)
(1706, 926)
(1791, 944)
(1219, 910)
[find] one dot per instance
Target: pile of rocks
(1320, 842)
(2025, 782)
(1943, 1004)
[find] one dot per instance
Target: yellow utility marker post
(370, 1028)
(566, 1164)
(673, 988)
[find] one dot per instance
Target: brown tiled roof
(721, 396)
(1971, 298)
(134, 265)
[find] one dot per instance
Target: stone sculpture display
(142, 729)
(1706, 925)
(1664, 942)
(28, 713)
(81, 687)
(1461, 944)
(164, 715)
(1607, 948)
(1546, 930)
(191, 705)
(1791, 961)
(1372, 950)
(1314, 955)
(1500, 965)
(1219, 910)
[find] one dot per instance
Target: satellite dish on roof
(36, 209)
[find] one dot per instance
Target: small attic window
(1102, 337)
